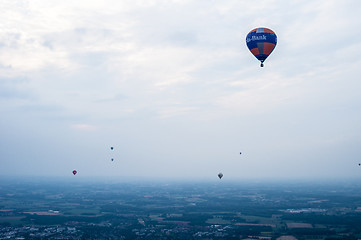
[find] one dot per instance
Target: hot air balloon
(220, 175)
(74, 172)
(240, 153)
(111, 148)
(112, 159)
(261, 42)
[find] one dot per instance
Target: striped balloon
(261, 42)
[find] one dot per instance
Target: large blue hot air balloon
(261, 42)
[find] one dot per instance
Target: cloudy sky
(173, 88)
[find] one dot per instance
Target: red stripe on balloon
(255, 51)
(268, 48)
(267, 30)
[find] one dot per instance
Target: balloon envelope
(220, 175)
(261, 42)
(74, 172)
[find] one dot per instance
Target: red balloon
(74, 172)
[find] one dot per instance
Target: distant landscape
(73, 209)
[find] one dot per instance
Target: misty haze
(168, 119)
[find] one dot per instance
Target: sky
(171, 85)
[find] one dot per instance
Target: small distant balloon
(112, 159)
(75, 172)
(240, 153)
(220, 175)
(111, 148)
(359, 164)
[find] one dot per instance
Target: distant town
(63, 209)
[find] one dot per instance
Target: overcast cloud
(172, 86)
